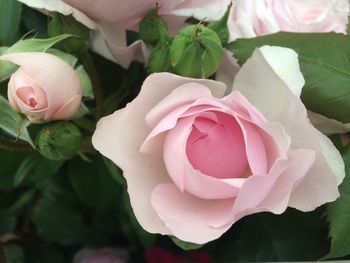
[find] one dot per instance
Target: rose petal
(268, 193)
(277, 103)
(202, 9)
(68, 109)
(182, 172)
(184, 214)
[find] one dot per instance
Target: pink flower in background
(251, 18)
(44, 87)
(104, 255)
(128, 13)
(197, 161)
(110, 18)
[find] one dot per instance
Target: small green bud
(153, 28)
(159, 60)
(196, 52)
(221, 28)
(60, 24)
(59, 141)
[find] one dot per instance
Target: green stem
(14, 146)
(91, 69)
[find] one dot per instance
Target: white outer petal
(266, 90)
(285, 64)
(333, 158)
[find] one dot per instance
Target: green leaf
(44, 253)
(10, 18)
(57, 214)
(14, 123)
(338, 214)
(221, 27)
(9, 163)
(35, 168)
(324, 61)
(93, 183)
(24, 169)
(57, 222)
(2, 50)
(7, 224)
(14, 202)
(264, 237)
(34, 21)
(115, 171)
(185, 245)
(70, 59)
(27, 45)
(131, 227)
(81, 112)
(86, 82)
(13, 254)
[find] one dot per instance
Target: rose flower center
(217, 149)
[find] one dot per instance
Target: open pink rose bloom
(197, 160)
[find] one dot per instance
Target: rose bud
(44, 87)
(196, 52)
(59, 141)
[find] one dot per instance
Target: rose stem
(91, 69)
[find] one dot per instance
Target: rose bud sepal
(60, 24)
(59, 141)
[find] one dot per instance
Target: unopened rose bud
(196, 52)
(44, 87)
(153, 28)
(59, 141)
(60, 24)
(159, 60)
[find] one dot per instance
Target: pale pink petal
(68, 109)
(110, 42)
(184, 94)
(275, 100)
(251, 18)
(127, 13)
(183, 174)
(184, 214)
(270, 193)
(202, 9)
(223, 139)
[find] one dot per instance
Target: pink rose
(128, 13)
(197, 161)
(104, 255)
(110, 18)
(44, 87)
(251, 18)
